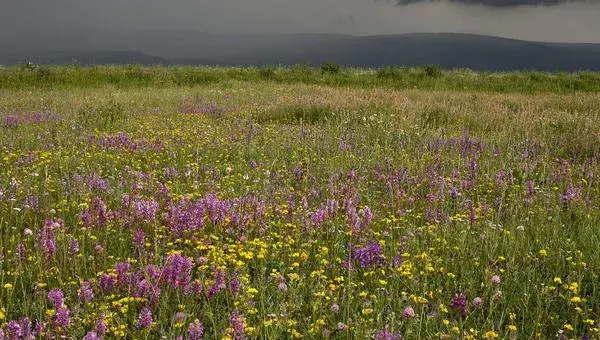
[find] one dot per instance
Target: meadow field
(190, 203)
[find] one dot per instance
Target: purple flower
(106, 282)
(100, 326)
(26, 332)
(122, 270)
(145, 318)
(145, 211)
(40, 327)
(477, 302)
(14, 330)
(237, 323)
(386, 334)
(21, 250)
(335, 308)
(234, 286)
(139, 238)
(73, 246)
(47, 240)
(571, 194)
(496, 280)
(217, 284)
(91, 335)
(367, 216)
(530, 189)
(196, 330)
(56, 296)
(459, 303)
(62, 317)
(177, 271)
(86, 294)
(369, 256)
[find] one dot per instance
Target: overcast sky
(548, 20)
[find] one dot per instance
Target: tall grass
(431, 77)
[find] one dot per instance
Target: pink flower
(408, 312)
(496, 280)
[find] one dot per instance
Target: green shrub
(433, 71)
(330, 68)
(266, 73)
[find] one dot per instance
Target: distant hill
(448, 50)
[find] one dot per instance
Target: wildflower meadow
(271, 209)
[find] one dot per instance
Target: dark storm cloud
(114, 19)
(497, 3)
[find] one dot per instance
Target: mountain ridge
(449, 50)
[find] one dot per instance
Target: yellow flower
(568, 327)
(543, 252)
(576, 299)
(8, 286)
(2, 313)
(557, 280)
(490, 335)
(512, 328)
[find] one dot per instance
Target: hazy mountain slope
(83, 58)
(198, 48)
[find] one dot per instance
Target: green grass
(428, 78)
